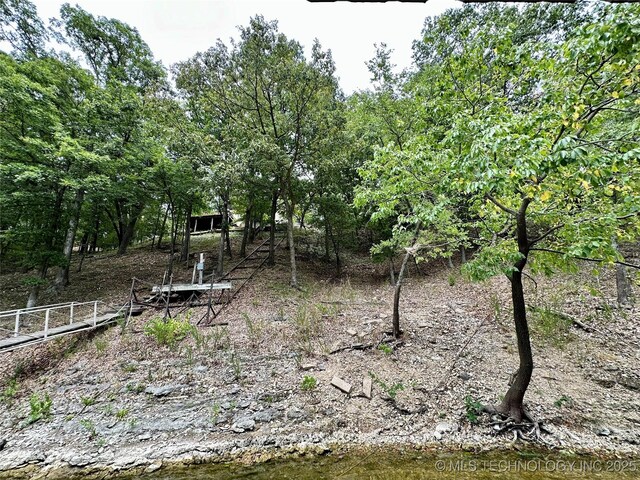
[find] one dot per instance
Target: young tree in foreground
(541, 164)
(542, 143)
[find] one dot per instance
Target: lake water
(415, 466)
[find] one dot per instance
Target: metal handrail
(10, 313)
(81, 317)
(48, 309)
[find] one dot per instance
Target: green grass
(101, 345)
(308, 383)
(255, 329)
(563, 400)
(307, 322)
(551, 326)
(215, 413)
(129, 367)
(90, 427)
(39, 408)
(9, 391)
(122, 413)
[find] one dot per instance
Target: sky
(177, 29)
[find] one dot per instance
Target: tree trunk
(463, 255)
(327, 246)
(623, 286)
(396, 296)
(50, 247)
(175, 228)
(303, 215)
(184, 253)
(227, 229)
(220, 267)
(392, 271)
(32, 301)
(272, 233)
(156, 224)
(93, 245)
(245, 232)
(290, 239)
(84, 242)
(162, 227)
(127, 235)
(84, 247)
(512, 404)
(252, 230)
(62, 277)
(336, 251)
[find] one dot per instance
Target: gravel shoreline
(128, 461)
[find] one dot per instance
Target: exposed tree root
(528, 430)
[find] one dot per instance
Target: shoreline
(131, 461)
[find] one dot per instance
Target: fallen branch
(340, 302)
(567, 317)
(356, 346)
(403, 410)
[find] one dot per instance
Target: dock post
(46, 323)
(17, 327)
(201, 269)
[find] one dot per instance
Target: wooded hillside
(514, 140)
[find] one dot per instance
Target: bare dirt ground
(262, 383)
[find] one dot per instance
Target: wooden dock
(191, 287)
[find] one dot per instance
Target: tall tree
(123, 66)
(265, 88)
(46, 162)
(21, 27)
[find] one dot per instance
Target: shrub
(473, 409)
(40, 408)
(168, 331)
(9, 391)
(390, 390)
(90, 427)
(564, 399)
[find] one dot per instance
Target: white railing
(26, 321)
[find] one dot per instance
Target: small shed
(205, 223)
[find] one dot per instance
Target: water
(416, 466)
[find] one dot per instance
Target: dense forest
(514, 141)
